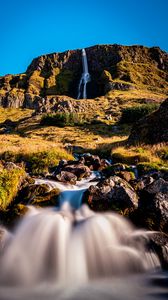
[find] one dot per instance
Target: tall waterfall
(85, 78)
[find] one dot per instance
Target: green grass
(9, 184)
(133, 114)
(63, 119)
(38, 162)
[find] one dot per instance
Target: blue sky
(30, 28)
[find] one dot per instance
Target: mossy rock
(48, 199)
(35, 83)
(129, 159)
(145, 168)
(39, 195)
(10, 182)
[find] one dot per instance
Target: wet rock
(158, 186)
(38, 194)
(114, 194)
(158, 242)
(153, 206)
(79, 170)
(113, 169)
(126, 175)
(71, 171)
(92, 161)
(66, 177)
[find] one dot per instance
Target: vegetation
(10, 180)
(37, 162)
(133, 114)
(153, 157)
(63, 119)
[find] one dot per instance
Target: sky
(30, 28)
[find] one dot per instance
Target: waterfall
(85, 78)
(67, 246)
(64, 252)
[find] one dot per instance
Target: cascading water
(85, 78)
(68, 253)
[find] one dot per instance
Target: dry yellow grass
(156, 154)
(14, 114)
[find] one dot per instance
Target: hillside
(130, 69)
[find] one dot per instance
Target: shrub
(133, 114)
(62, 119)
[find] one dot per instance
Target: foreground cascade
(72, 246)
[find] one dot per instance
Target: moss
(129, 159)
(63, 119)
(64, 81)
(106, 76)
(141, 74)
(48, 199)
(145, 168)
(10, 181)
(35, 83)
(37, 162)
(133, 114)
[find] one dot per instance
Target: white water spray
(55, 253)
(68, 246)
(85, 78)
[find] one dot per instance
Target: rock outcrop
(114, 194)
(151, 129)
(111, 67)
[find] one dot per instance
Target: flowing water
(70, 252)
(85, 78)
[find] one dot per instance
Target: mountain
(112, 67)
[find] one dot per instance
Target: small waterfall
(67, 246)
(71, 193)
(62, 252)
(85, 78)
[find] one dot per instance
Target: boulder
(153, 206)
(71, 171)
(66, 177)
(38, 194)
(114, 194)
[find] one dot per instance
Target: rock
(126, 175)
(70, 171)
(153, 206)
(158, 243)
(113, 193)
(92, 161)
(57, 76)
(154, 242)
(66, 177)
(11, 166)
(38, 194)
(112, 85)
(79, 170)
(157, 186)
(151, 129)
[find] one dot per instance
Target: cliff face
(111, 67)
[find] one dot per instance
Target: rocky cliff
(111, 67)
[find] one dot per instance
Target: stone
(114, 194)
(39, 195)
(66, 177)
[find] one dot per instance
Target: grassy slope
(29, 137)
